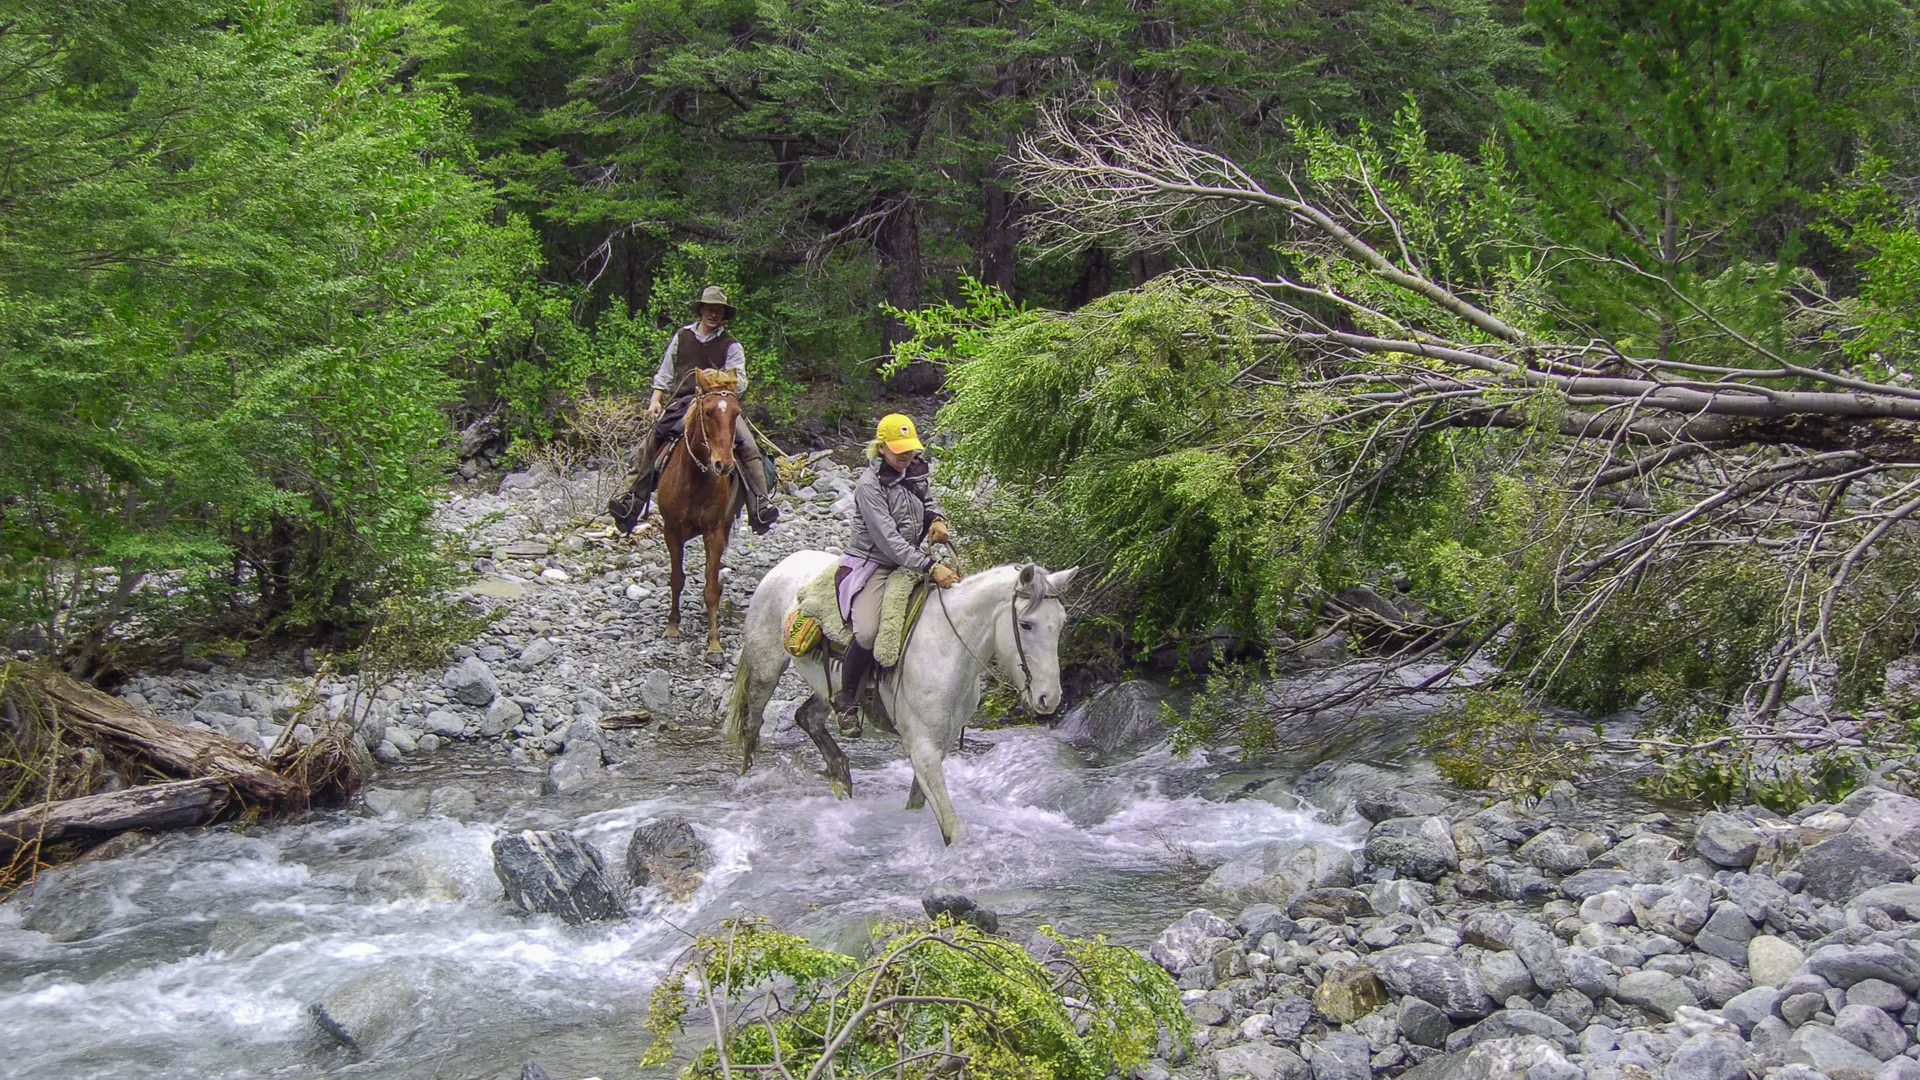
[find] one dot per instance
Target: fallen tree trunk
(177, 805)
(173, 749)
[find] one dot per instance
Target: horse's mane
(710, 380)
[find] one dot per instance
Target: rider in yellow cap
(893, 515)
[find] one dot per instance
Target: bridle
(709, 466)
(1019, 643)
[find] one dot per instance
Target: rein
(706, 467)
(1019, 643)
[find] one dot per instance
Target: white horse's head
(1028, 646)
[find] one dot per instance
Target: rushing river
(199, 956)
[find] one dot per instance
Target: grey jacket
(892, 514)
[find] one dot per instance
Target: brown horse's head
(716, 405)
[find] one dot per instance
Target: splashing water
(200, 956)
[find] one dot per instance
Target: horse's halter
(708, 466)
(1019, 643)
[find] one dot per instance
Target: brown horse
(697, 494)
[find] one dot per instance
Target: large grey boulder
(1436, 975)
(1655, 991)
(471, 682)
(554, 873)
(1495, 1059)
(1259, 1061)
(1725, 840)
(1848, 865)
(1280, 871)
(1871, 1030)
(1844, 965)
(578, 766)
(1122, 716)
(1341, 1056)
(1710, 1055)
(392, 802)
(369, 1012)
(1818, 1046)
(1555, 852)
(1648, 857)
(1383, 804)
(1900, 900)
(668, 853)
(1194, 940)
(1419, 848)
(1885, 817)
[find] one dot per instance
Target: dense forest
(1576, 335)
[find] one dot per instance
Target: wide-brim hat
(716, 296)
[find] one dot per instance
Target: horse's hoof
(671, 631)
(840, 790)
(716, 658)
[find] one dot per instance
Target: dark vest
(691, 353)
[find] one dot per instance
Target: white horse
(1009, 617)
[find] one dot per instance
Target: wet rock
(453, 801)
(1420, 848)
(1259, 1061)
(941, 900)
(1725, 840)
(1341, 1056)
(1434, 974)
(668, 853)
(1383, 804)
(1655, 991)
(471, 682)
(1121, 717)
(1772, 961)
(1349, 992)
(1844, 965)
(1592, 882)
(369, 1012)
(1819, 1047)
(1280, 871)
(1848, 865)
(575, 770)
(1423, 1024)
(1710, 1055)
(389, 802)
(66, 907)
(554, 873)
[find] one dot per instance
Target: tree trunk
(996, 241)
(902, 278)
(177, 805)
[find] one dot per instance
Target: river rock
(1725, 840)
(554, 873)
(1610, 908)
(1819, 1047)
(1870, 1029)
(369, 1012)
(1423, 1024)
(575, 770)
(537, 652)
(1495, 1059)
(1747, 1009)
(1192, 941)
(1555, 852)
(1900, 900)
(1349, 992)
(1884, 996)
(1772, 961)
(1258, 920)
(500, 717)
(1504, 975)
(1844, 965)
(1259, 1061)
(1333, 905)
(1710, 1055)
(1885, 817)
(67, 907)
(452, 801)
(1420, 848)
(389, 802)
(1383, 804)
(1436, 975)
(941, 900)
(1120, 717)
(1655, 991)
(1848, 865)
(247, 703)
(1726, 933)
(1587, 883)
(1280, 871)
(1341, 1056)
(471, 682)
(1648, 856)
(445, 724)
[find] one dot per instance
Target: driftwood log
(176, 805)
(174, 750)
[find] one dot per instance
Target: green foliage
(924, 998)
(1498, 740)
(241, 261)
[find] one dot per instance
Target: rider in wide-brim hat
(704, 343)
(893, 514)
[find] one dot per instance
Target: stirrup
(762, 522)
(626, 510)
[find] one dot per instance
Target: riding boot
(628, 507)
(761, 513)
(853, 672)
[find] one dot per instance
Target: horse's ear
(1058, 581)
(1032, 586)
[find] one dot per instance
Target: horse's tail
(734, 728)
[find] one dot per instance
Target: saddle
(814, 623)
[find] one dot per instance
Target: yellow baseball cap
(896, 430)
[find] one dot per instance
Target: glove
(937, 532)
(946, 577)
